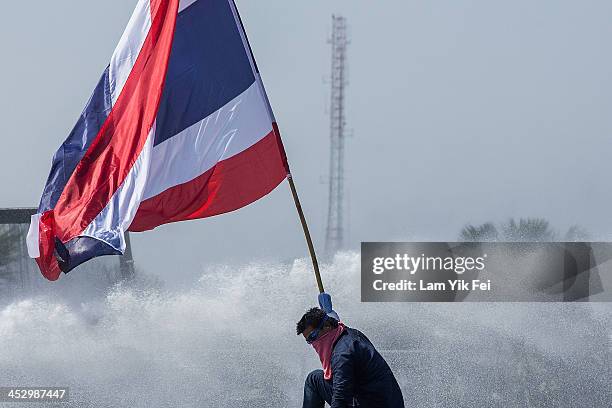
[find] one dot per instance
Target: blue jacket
(359, 371)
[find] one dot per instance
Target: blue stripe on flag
(209, 67)
(80, 250)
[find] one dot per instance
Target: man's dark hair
(312, 318)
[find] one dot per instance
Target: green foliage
(528, 230)
(576, 233)
(484, 232)
(523, 230)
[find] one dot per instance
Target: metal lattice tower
(334, 236)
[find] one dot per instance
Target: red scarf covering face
(324, 346)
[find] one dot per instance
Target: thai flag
(179, 127)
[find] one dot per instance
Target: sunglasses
(315, 333)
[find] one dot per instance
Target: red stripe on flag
(117, 146)
(231, 184)
(46, 239)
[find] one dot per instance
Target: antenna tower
(334, 236)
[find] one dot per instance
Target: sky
(460, 112)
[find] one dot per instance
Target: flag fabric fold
(179, 127)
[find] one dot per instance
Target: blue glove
(325, 303)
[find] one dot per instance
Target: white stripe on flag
(116, 217)
(232, 129)
(129, 47)
(112, 222)
(32, 240)
(185, 3)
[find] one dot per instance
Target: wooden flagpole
(313, 255)
(296, 199)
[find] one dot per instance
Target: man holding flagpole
(179, 127)
(354, 373)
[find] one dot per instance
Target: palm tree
(523, 230)
(528, 230)
(481, 233)
(577, 234)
